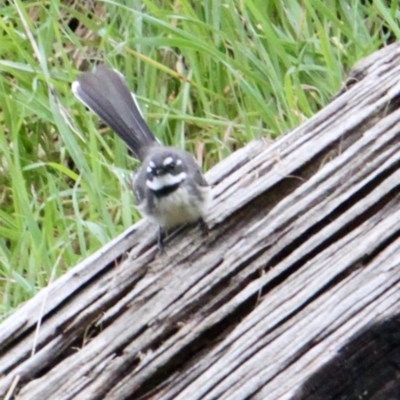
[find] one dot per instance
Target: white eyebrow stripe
(164, 181)
(168, 161)
(152, 165)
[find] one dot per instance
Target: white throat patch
(163, 181)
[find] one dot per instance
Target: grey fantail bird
(170, 188)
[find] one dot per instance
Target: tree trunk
(293, 295)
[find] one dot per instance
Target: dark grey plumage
(175, 203)
(170, 188)
(105, 92)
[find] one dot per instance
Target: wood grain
(301, 262)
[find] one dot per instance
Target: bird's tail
(106, 93)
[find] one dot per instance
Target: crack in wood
(301, 258)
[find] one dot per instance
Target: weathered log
(296, 286)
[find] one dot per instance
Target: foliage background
(210, 76)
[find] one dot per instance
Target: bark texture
(293, 295)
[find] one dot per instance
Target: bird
(169, 186)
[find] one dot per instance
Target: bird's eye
(171, 167)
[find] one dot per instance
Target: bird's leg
(203, 227)
(160, 240)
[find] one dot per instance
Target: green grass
(210, 76)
